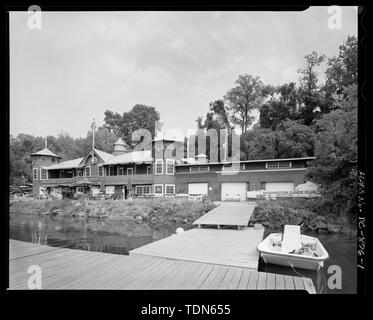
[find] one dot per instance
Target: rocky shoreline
(139, 210)
(273, 215)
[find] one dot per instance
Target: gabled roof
(45, 152)
(130, 157)
(104, 156)
(69, 164)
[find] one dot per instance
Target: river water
(122, 236)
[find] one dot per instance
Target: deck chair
(291, 239)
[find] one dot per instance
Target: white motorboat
(310, 255)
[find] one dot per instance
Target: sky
(80, 64)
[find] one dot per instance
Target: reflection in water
(86, 234)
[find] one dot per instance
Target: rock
(258, 226)
(57, 211)
(321, 225)
(179, 230)
(139, 219)
(335, 228)
(185, 220)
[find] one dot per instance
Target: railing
(135, 178)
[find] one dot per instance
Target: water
(86, 234)
(122, 236)
(342, 252)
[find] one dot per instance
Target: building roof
(69, 164)
(103, 155)
(45, 152)
(243, 161)
(130, 157)
(121, 142)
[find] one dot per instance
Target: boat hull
(270, 255)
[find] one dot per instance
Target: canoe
(311, 256)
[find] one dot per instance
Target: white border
(173, 162)
(169, 185)
(155, 166)
(157, 185)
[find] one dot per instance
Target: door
(279, 186)
(233, 191)
(197, 188)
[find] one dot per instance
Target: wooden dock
(224, 247)
(77, 269)
(233, 214)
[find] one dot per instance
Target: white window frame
(85, 171)
(121, 171)
(155, 166)
(35, 170)
(128, 173)
(158, 185)
(143, 187)
(102, 170)
(173, 166)
(169, 185)
(278, 165)
(46, 174)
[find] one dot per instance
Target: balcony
(107, 180)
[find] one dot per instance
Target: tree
(247, 95)
(342, 70)
(309, 94)
(139, 117)
(335, 167)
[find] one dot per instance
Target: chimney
(120, 147)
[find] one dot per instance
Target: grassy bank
(273, 215)
(140, 210)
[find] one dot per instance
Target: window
(129, 171)
(111, 171)
(170, 166)
(158, 188)
(141, 190)
(79, 172)
(159, 166)
(278, 165)
(43, 174)
(53, 159)
(35, 174)
(170, 188)
(121, 171)
(87, 171)
(149, 170)
(100, 171)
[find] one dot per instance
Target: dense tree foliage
(139, 117)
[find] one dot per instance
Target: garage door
(279, 186)
(197, 188)
(233, 191)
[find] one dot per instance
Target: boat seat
(291, 239)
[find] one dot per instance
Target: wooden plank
(298, 283)
(253, 281)
(209, 246)
(280, 282)
(271, 281)
(262, 281)
(289, 282)
(76, 269)
(228, 214)
(244, 281)
(308, 285)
